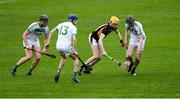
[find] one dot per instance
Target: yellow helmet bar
(114, 20)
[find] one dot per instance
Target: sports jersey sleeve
(74, 30)
(31, 27)
(126, 26)
(141, 29)
(58, 26)
(46, 30)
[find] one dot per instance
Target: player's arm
(120, 37)
(45, 49)
(74, 43)
(126, 39)
(49, 37)
(100, 42)
(24, 36)
(141, 38)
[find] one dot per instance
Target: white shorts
(92, 41)
(135, 42)
(32, 43)
(64, 49)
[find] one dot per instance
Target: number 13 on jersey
(63, 30)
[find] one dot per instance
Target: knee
(138, 58)
(29, 57)
(38, 58)
(129, 58)
(97, 58)
(129, 54)
(75, 59)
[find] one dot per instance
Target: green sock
(75, 74)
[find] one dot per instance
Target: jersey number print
(134, 31)
(64, 30)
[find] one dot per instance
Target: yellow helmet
(114, 20)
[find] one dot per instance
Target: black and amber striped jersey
(105, 29)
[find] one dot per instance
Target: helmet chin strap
(132, 24)
(41, 25)
(73, 22)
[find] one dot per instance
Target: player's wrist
(125, 43)
(121, 41)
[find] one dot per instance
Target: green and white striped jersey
(35, 31)
(136, 30)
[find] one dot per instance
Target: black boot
(130, 67)
(88, 70)
(133, 71)
(81, 69)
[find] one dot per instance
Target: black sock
(16, 66)
(136, 62)
(30, 70)
(130, 59)
(130, 67)
(135, 65)
(126, 59)
(83, 66)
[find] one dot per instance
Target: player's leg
(93, 59)
(96, 56)
(129, 60)
(22, 61)
(137, 58)
(136, 63)
(61, 64)
(129, 52)
(36, 60)
(95, 51)
(75, 63)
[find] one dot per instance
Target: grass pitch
(157, 75)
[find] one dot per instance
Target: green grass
(157, 75)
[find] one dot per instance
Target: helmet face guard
(130, 20)
(43, 20)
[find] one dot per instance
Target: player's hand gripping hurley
(47, 54)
